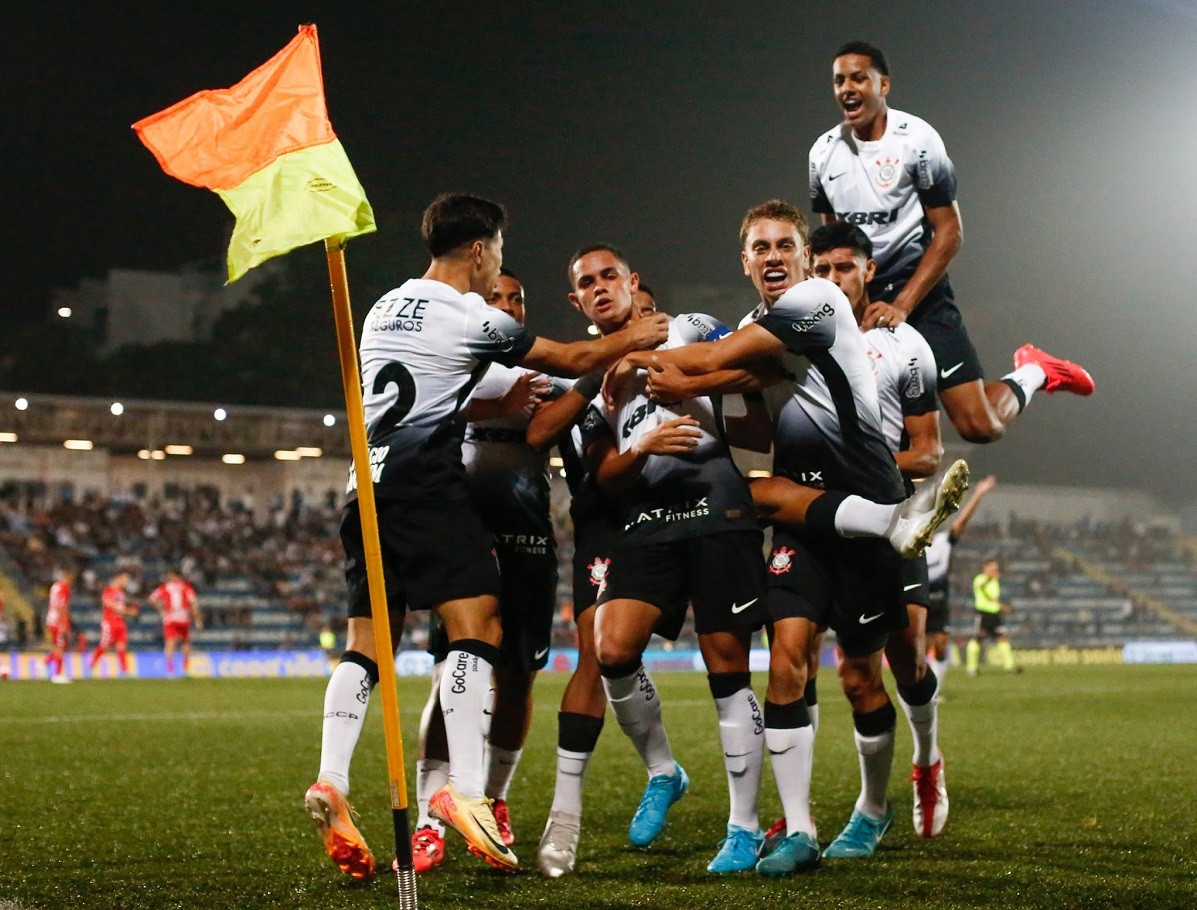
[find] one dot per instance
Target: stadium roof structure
(129, 426)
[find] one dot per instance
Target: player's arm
(921, 458)
(525, 393)
(576, 358)
(193, 606)
(616, 471)
(945, 244)
(666, 382)
(970, 508)
(554, 419)
(920, 410)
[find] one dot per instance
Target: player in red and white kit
(58, 625)
(176, 601)
(113, 631)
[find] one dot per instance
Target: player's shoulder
(910, 338)
(691, 327)
(911, 128)
(822, 148)
(811, 295)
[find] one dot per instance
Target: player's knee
(615, 656)
(978, 425)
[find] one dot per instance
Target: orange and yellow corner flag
(267, 148)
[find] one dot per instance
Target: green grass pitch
(1070, 787)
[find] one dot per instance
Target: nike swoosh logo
(864, 620)
(541, 653)
(740, 608)
(837, 176)
(917, 584)
(944, 374)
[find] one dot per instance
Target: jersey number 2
(397, 373)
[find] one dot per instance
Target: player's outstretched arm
(618, 471)
(576, 358)
(925, 452)
(668, 383)
(554, 419)
(970, 507)
(945, 244)
(525, 393)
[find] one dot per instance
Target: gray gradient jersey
(424, 347)
(826, 415)
(904, 369)
(508, 479)
(882, 187)
(681, 496)
(939, 558)
(588, 504)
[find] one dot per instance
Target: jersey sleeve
(593, 426)
(494, 384)
(934, 174)
(694, 327)
(492, 335)
(819, 202)
(804, 318)
(918, 382)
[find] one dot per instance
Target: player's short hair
(589, 248)
(644, 288)
(840, 235)
(864, 49)
(507, 273)
(453, 219)
(774, 210)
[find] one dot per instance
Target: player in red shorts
(58, 625)
(113, 632)
(176, 601)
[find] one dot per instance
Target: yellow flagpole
(352, 383)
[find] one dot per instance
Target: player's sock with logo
(346, 699)
(850, 516)
(637, 707)
(741, 730)
(501, 769)
(1024, 382)
(922, 711)
(431, 775)
(811, 696)
(790, 740)
(577, 735)
(874, 735)
(466, 698)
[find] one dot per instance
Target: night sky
(654, 126)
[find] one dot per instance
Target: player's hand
(525, 394)
(985, 485)
(883, 315)
(616, 381)
(648, 331)
(674, 437)
(666, 383)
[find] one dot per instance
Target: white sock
(813, 711)
(792, 754)
(858, 517)
(924, 729)
(571, 769)
(637, 707)
(1029, 378)
(431, 775)
(466, 696)
(876, 759)
(940, 669)
(741, 730)
(502, 764)
(346, 698)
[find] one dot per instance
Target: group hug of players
(837, 372)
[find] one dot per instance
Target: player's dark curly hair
(453, 219)
(840, 235)
(864, 49)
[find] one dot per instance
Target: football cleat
(774, 835)
(475, 821)
(860, 836)
(930, 799)
(558, 851)
(503, 822)
(427, 849)
(794, 853)
(662, 792)
(738, 852)
(1062, 375)
(333, 815)
(920, 516)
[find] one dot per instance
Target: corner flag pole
(352, 383)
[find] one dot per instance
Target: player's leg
(972, 652)
(185, 639)
(512, 717)
(432, 762)
(169, 641)
(103, 645)
(122, 654)
(1005, 653)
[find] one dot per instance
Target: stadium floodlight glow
(117, 409)
(144, 454)
(78, 445)
(592, 329)
(178, 450)
(759, 473)
(309, 451)
(329, 420)
(21, 404)
(220, 413)
(65, 312)
(8, 437)
(233, 458)
(158, 455)
(287, 455)
(556, 462)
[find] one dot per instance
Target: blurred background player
(888, 172)
(176, 601)
(113, 631)
(939, 564)
(58, 625)
(990, 610)
(644, 301)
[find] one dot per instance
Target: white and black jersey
(826, 414)
(939, 558)
(904, 369)
(424, 347)
(681, 496)
(883, 187)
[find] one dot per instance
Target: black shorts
(938, 611)
(853, 586)
(989, 624)
(939, 321)
(594, 542)
(916, 589)
(432, 552)
(721, 575)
